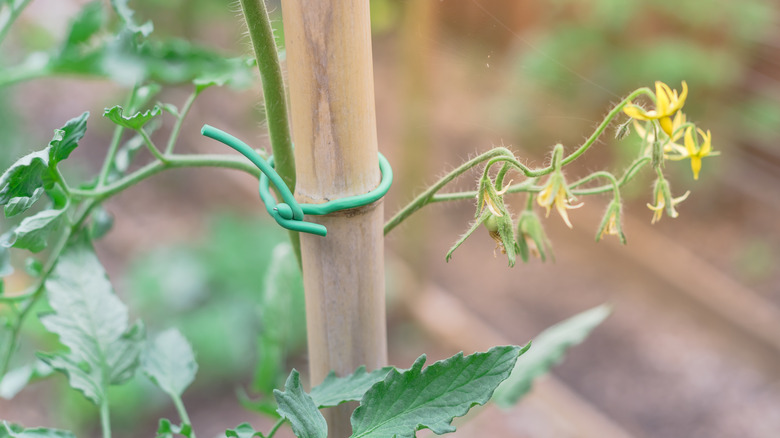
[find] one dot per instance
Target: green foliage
(169, 362)
(548, 350)
(168, 430)
(135, 122)
(415, 399)
(334, 391)
(15, 380)
(299, 409)
(16, 431)
(92, 323)
(243, 430)
(127, 15)
(25, 181)
(33, 232)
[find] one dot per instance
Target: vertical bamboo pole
(329, 61)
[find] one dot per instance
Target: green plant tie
(289, 213)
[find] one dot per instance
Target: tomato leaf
(135, 122)
(299, 409)
(405, 402)
(91, 322)
(169, 362)
(33, 232)
(548, 350)
(336, 390)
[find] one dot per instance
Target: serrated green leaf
(88, 21)
(17, 431)
(243, 430)
(169, 362)
(336, 390)
(128, 17)
(33, 232)
(16, 379)
(408, 401)
(299, 409)
(548, 350)
(23, 179)
(20, 205)
(66, 139)
(91, 322)
(22, 184)
(167, 430)
(135, 122)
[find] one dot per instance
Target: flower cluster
(666, 134)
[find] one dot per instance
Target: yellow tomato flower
(695, 152)
(668, 102)
(555, 193)
(660, 205)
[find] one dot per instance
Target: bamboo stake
(334, 128)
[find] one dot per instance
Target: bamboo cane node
(289, 213)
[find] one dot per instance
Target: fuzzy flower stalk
(666, 134)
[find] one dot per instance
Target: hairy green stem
(261, 34)
(185, 418)
(427, 196)
(607, 120)
(276, 427)
(179, 121)
(151, 146)
(105, 418)
(171, 162)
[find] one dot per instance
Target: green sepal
(482, 218)
(135, 122)
(529, 227)
(548, 350)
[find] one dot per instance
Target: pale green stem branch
(151, 146)
(426, 197)
(13, 14)
(276, 427)
(177, 127)
(172, 162)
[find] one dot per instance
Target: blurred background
(693, 346)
